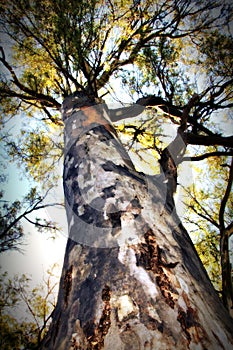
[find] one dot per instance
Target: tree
(211, 219)
(127, 252)
(134, 253)
(25, 312)
(11, 217)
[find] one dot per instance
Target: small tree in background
(25, 312)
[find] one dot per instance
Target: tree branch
(26, 212)
(214, 95)
(225, 197)
(40, 225)
(168, 108)
(206, 216)
(209, 140)
(46, 100)
(207, 155)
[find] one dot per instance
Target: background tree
(13, 215)
(26, 312)
(84, 46)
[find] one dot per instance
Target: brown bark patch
(150, 322)
(94, 116)
(187, 320)
(96, 341)
(67, 284)
(151, 258)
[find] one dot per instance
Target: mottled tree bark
(131, 277)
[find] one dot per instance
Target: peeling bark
(131, 277)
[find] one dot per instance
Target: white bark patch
(75, 252)
(183, 285)
(113, 337)
(128, 233)
(127, 257)
(109, 207)
(153, 313)
(182, 303)
(74, 126)
(66, 137)
(81, 210)
(68, 164)
(97, 180)
(125, 307)
(71, 223)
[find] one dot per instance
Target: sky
(38, 251)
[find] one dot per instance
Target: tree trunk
(131, 277)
